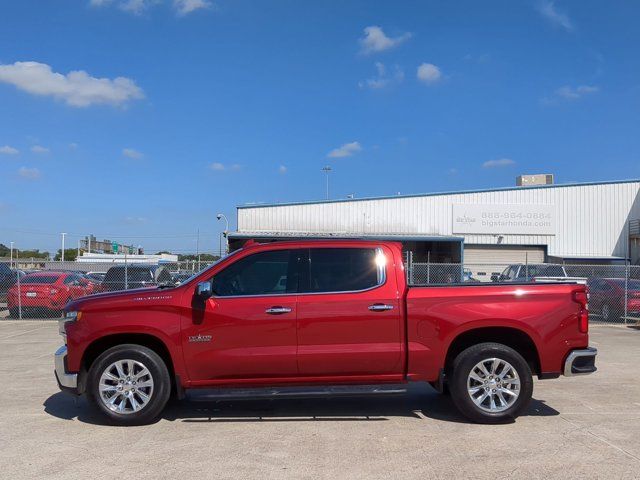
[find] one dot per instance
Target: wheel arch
(102, 344)
(514, 338)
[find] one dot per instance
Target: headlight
(68, 317)
(72, 315)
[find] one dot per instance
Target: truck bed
(545, 312)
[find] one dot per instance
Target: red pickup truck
(321, 318)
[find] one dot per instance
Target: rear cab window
(40, 279)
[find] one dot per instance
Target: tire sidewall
(159, 373)
(467, 360)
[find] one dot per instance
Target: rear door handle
(277, 310)
(380, 307)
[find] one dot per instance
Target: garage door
(485, 260)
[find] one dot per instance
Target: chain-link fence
(614, 290)
(42, 289)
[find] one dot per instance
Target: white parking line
(22, 333)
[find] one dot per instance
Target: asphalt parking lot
(587, 427)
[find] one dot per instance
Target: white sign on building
(504, 219)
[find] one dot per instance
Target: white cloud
(382, 78)
(8, 150)
(500, 162)
(39, 149)
(221, 167)
(135, 220)
(76, 88)
(138, 7)
(571, 93)
(29, 173)
(548, 10)
(375, 40)
(73, 146)
(133, 154)
(184, 7)
(429, 73)
(282, 169)
(345, 150)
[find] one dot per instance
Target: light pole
(62, 252)
(326, 169)
(220, 216)
(11, 258)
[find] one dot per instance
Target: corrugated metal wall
(591, 219)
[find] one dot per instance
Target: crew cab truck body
(326, 317)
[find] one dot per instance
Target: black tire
(14, 313)
(462, 367)
(159, 374)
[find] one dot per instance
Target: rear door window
(343, 270)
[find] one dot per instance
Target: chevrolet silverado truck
(321, 317)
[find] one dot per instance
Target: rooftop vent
(539, 179)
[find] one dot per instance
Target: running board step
(295, 392)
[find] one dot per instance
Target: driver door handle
(380, 307)
(277, 310)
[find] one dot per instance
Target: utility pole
(220, 216)
(62, 253)
(198, 248)
(326, 169)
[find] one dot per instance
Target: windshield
(133, 274)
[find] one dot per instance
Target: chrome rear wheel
(493, 385)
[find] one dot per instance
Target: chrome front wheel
(126, 386)
(493, 385)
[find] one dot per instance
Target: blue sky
(140, 120)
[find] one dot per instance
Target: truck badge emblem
(199, 338)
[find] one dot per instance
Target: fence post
(429, 267)
(19, 296)
(126, 272)
(626, 289)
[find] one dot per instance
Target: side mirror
(203, 290)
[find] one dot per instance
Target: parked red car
(321, 318)
(47, 292)
(606, 297)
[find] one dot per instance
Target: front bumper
(580, 362)
(66, 381)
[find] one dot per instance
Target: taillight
(582, 298)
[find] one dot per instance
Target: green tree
(204, 257)
(70, 254)
(33, 254)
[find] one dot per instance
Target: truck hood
(142, 297)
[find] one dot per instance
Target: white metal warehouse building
(586, 223)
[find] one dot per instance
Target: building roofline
(435, 194)
(347, 236)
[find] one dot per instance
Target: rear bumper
(580, 362)
(68, 382)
